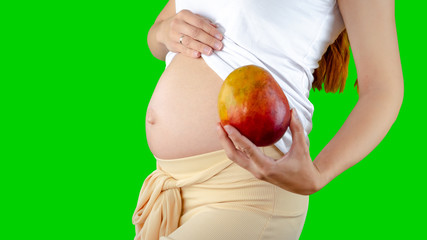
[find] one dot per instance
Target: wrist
(322, 178)
(159, 32)
(156, 41)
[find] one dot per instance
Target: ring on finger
(180, 39)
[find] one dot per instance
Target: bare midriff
(182, 114)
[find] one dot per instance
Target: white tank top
(286, 37)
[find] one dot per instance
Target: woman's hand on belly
(190, 34)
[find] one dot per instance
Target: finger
(191, 43)
(201, 30)
(263, 162)
(299, 144)
(202, 23)
(195, 27)
(235, 155)
(182, 48)
(187, 51)
(199, 40)
(188, 45)
(211, 23)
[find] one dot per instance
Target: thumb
(297, 131)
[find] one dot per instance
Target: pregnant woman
(213, 183)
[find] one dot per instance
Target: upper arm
(372, 34)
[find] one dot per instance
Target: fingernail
(227, 129)
(196, 54)
(217, 45)
(207, 50)
(218, 36)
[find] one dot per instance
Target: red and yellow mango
(252, 101)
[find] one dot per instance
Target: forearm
(365, 127)
(157, 48)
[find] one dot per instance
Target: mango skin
(252, 101)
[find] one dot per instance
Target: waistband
(181, 167)
(159, 204)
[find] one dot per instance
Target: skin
(371, 29)
(372, 33)
(182, 113)
(200, 35)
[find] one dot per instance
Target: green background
(75, 81)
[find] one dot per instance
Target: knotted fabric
(159, 206)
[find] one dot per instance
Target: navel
(150, 118)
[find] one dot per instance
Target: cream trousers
(209, 197)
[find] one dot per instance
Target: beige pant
(209, 197)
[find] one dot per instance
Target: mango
(252, 101)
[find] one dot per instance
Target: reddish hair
(333, 67)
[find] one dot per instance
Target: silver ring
(180, 39)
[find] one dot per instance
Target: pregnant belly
(182, 113)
